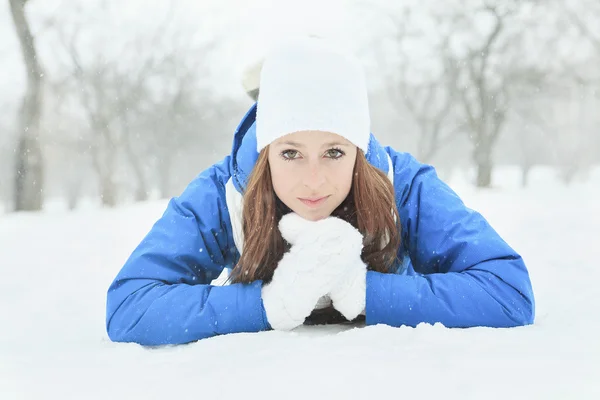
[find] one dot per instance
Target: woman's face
(312, 171)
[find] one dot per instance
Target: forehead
(311, 138)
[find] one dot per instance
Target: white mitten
(301, 277)
(324, 259)
(349, 294)
(349, 291)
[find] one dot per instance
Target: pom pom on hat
(310, 84)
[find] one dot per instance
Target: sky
(245, 30)
(248, 28)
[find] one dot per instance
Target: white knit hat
(309, 84)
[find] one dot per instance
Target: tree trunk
(73, 189)
(104, 169)
(163, 171)
(483, 160)
(484, 175)
(525, 175)
(141, 190)
(567, 174)
(29, 171)
(72, 200)
(108, 191)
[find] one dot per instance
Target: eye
(289, 155)
(334, 154)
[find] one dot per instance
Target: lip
(313, 202)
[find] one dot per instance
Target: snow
(56, 267)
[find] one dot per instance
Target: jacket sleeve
(468, 275)
(162, 295)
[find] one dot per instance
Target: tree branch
(582, 27)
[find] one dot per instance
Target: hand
(349, 291)
(303, 275)
(339, 246)
(349, 294)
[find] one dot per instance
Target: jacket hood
(244, 154)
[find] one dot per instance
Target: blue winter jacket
(455, 269)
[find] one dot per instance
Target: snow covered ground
(56, 267)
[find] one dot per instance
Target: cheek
(343, 178)
(282, 182)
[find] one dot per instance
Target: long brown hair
(370, 207)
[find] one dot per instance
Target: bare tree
(490, 73)
(130, 100)
(95, 97)
(426, 93)
(29, 168)
(532, 133)
(142, 107)
(430, 104)
(6, 162)
(111, 99)
(484, 100)
(582, 148)
(576, 122)
(484, 67)
(173, 122)
(591, 10)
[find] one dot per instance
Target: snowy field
(56, 267)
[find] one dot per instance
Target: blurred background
(107, 102)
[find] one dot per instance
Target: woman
(311, 213)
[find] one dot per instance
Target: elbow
(123, 327)
(525, 309)
(116, 328)
(509, 311)
(116, 335)
(514, 293)
(128, 303)
(116, 331)
(512, 303)
(123, 315)
(113, 318)
(520, 311)
(524, 303)
(139, 315)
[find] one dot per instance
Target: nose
(314, 176)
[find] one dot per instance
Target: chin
(314, 218)
(313, 215)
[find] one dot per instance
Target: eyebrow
(296, 144)
(290, 143)
(333, 144)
